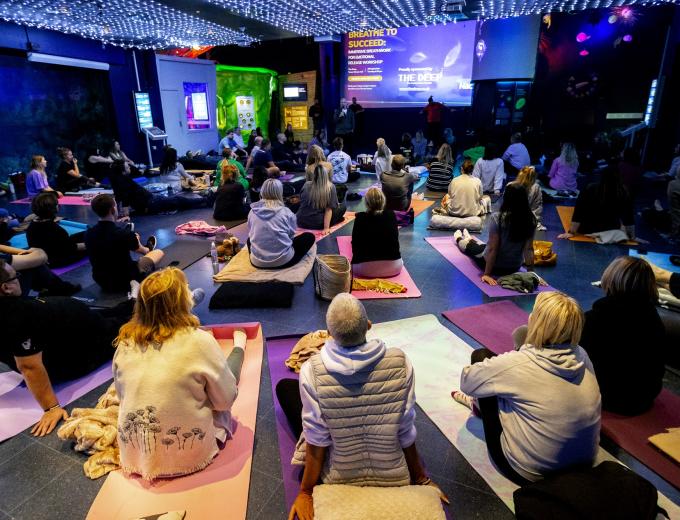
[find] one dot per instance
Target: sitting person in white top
(172, 168)
(465, 197)
(516, 156)
(382, 159)
(489, 169)
(341, 162)
(176, 385)
(371, 443)
(540, 405)
(256, 148)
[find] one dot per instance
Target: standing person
(36, 180)
(511, 236)
(527, 179)
(316, 113)
(441, 170)
(397, 185)
(69, 177)
(489, 169)
(465, 197)
(516, 156)
(175, 384)
(406, 148)
(540, 405)
(272, 243)
(563, 170)
(342, 164)
(433, 113)
(230, 198)
(319, 207)
(358, 112)
(344, 121)
(616, 327)
(109, 247)
(375, 239)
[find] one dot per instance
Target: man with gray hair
(355, 408)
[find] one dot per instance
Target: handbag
(543, 253)
(332, 276)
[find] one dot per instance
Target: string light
(142, 24)
(490, 9)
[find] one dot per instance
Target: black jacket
(375, 237)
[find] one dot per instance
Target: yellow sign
(296, 116)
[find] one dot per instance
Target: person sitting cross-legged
(465, 197)
(109, 247)
(371, 443)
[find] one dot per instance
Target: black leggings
(288, 395)
(488, 407)
(475, 250)
(301, 246)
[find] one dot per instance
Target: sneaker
(411, 215)
(457, 235)
(463, 398)
(541, 227)
(466, 233)
(151, 243)
(134, 290)
(240, 338)
(198, 295)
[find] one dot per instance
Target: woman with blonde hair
(230, 198)
(316, 157)
(382, 159)
(36, 180)
(563, 170)
(375, 239)
(272, 243)
(319, 207)
(527, 178)
(176, 385)
(441, 170)
(540, 405)
(617, 328)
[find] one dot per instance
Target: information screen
(295, 92)
(199, 102)
(403, 67)
(143, 110)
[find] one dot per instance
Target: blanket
(377, 285)
(241, 270)
(200, 228)
(306, 347)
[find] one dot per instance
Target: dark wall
(283, 56)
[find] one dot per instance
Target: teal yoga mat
(71, 227)
(662, 260)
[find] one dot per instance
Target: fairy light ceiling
(485, 9)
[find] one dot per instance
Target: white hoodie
(347, 361)
(549, 405)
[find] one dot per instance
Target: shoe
(457, 235)
(466, 233)
(134, 290)
(463, 398)
(151, 243)
(541, 227)
(240, 338)
(197, 295)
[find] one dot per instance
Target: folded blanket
(377, 285)
(613, 236)
(95, 432)
(520, 282)
(473, 224)
(241, 270)
(668, 442)
(200, 228)
(306, 347)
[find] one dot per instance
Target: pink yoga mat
(19, 410)
(404, 278)
(490, 324)
(449, 250)
(349, 217)
(218, 491)
(66, 200)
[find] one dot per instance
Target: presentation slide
(506, 48)
(403, 67)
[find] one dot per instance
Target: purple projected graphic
(403, 67)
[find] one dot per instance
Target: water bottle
(213, 257)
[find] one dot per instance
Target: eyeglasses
(17, 277)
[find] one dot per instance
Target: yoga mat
(438, 364)
(66, 200)
(278, 351)
(19, 410)
(403, 278)
(447, 247)
(63, 270)
(218, 491)
(363, 191)
(437, 195)
(21, 242)
(349, 217)
(490, 324)
(420, 205)
(91, 191)
(240, 232)
(9, 381)
(566, 213)
(662, 260)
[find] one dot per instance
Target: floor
(39, 477)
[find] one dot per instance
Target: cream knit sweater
(175, 401)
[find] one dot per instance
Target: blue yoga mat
(21, 242)
(662, 260)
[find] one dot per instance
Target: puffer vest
(363, 412)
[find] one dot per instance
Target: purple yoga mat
(278, 351)
(449, 250)
(363, 191)
(490, 324)
(62, 270)
(19, 410)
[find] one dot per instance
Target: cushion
(234, 295)
(473, 224)
(241, 270)
(340, 502)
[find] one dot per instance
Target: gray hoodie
(549, 404)
(271, 231)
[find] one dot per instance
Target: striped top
(440, 176)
